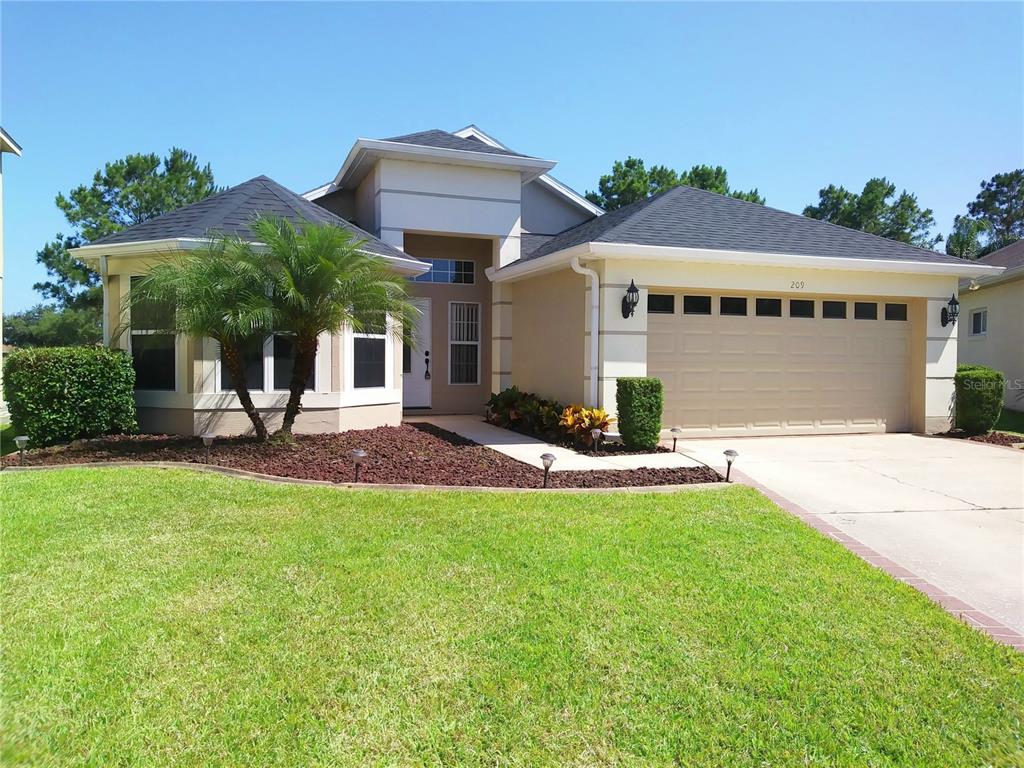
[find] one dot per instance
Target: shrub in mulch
(410, 453)
(993, 438)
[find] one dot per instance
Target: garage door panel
(766, 375)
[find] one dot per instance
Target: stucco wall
(1002, 346)
(445, 397)
(548, 341)
(548, 213)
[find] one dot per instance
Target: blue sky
(788, 97)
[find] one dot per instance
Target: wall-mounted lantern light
(630, 300)
(950, 312)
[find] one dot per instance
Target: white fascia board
(371, 149)
(987, 281)
(138, 248)
(635, 252)
(553, 184)
(8, 144)
(403, 265)
(630, 251)
(316, 194)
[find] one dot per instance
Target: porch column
(622, 341)
(939, 367)
(506, 250)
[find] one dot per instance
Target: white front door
(417, 365)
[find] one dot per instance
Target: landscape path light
(207, 442)
(595, 435)
(730, 457)
(676, 432)
(358, 457)
(21, 441)
(548, 459)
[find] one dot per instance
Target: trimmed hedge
(59, 394)
(979, 398)
(640, 403)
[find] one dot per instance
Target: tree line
(139, 187)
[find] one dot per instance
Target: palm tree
(215, 292)
(322, 280)
(965, 239)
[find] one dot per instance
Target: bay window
(152, 343)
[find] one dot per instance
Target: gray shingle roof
(445, 140)
(530, 242)
(231, 212)
(685, 217)
(1009, 256)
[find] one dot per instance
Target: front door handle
(426, 366)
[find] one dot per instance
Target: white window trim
(970, 319)
(479, 333)
(431, 260)
(371, 395)
(268, 371)
(132, 332)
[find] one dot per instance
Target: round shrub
(58, 394)
(640, 402)
(979, 398)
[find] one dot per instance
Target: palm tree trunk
(232, 358)
(305, 359)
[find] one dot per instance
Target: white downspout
(595, 323)
(104, 274)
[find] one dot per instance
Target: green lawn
(172, 618)
(1010, 421)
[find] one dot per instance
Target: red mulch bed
(993, 438)
(410, 453)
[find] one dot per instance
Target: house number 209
(797, 285)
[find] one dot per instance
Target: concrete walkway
(528, 449)
(949, 511)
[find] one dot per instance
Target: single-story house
(757, 321)
(992, 320)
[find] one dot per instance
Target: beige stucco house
(7, 146)
(992, 320)
(757, 321)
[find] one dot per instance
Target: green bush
(640, 402)
(525, 412)
(979, 398)
(58, 394)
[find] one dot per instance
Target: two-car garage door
(780, 365)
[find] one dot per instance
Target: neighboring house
(992, 320)
(7, 144)
(758, 321)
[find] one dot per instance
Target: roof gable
(439, 139)
(685, 217)
(232, 211)
(1009, 256)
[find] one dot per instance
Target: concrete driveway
(951, 511)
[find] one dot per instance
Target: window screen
(368, 361)
(252, 364)
(284, 363)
